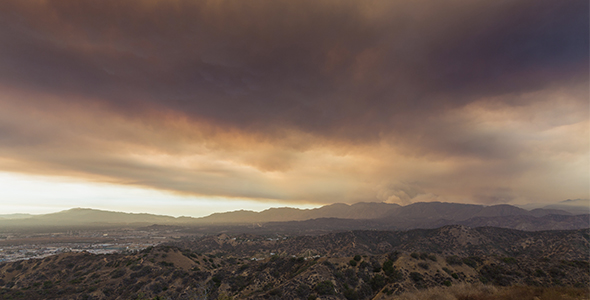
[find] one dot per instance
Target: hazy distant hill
(85, 217)
(422, 212)
(338, 216)
(361, 210)
(93, 217)
(574, 206)
(539, 212)
(15, 216)
(324, 225)
(426, 211)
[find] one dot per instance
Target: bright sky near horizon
(188, 107)
(41, 195)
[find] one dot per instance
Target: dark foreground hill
(448, 240)
(348, 265)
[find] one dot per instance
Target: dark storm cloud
(297, 74)
(312, 65)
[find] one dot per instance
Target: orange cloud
(301, 101)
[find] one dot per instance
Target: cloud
(400, 193)
(308, 101)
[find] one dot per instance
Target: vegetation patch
(325, 288)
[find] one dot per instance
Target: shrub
(135, 267)
(166, 264)
(447, 283)
(495, 274)
(377, 269)
(238, 283)
(388, 267)
(243, 267)
(357, 257)
(76, 280)
(225, 297)
(392, 272)
(352, 262)
(423, 265)
(216, 280)
(303, 290)
(393, 256)
(275, 292)
(540, 273)
(454, 260)
(416, 276)
(117, 273)
(477, 259)
(156, 287)
(325, 288)
(329, 264)
(143, 271)
(556, 273)
(378, 282)
(47, 284)
(509, 260)
(470, 262)
(350, 277)
(351, 294)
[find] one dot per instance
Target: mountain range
(383, 216)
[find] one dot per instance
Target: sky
(186, 107)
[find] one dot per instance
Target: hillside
(447, 240)
(351, 265)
